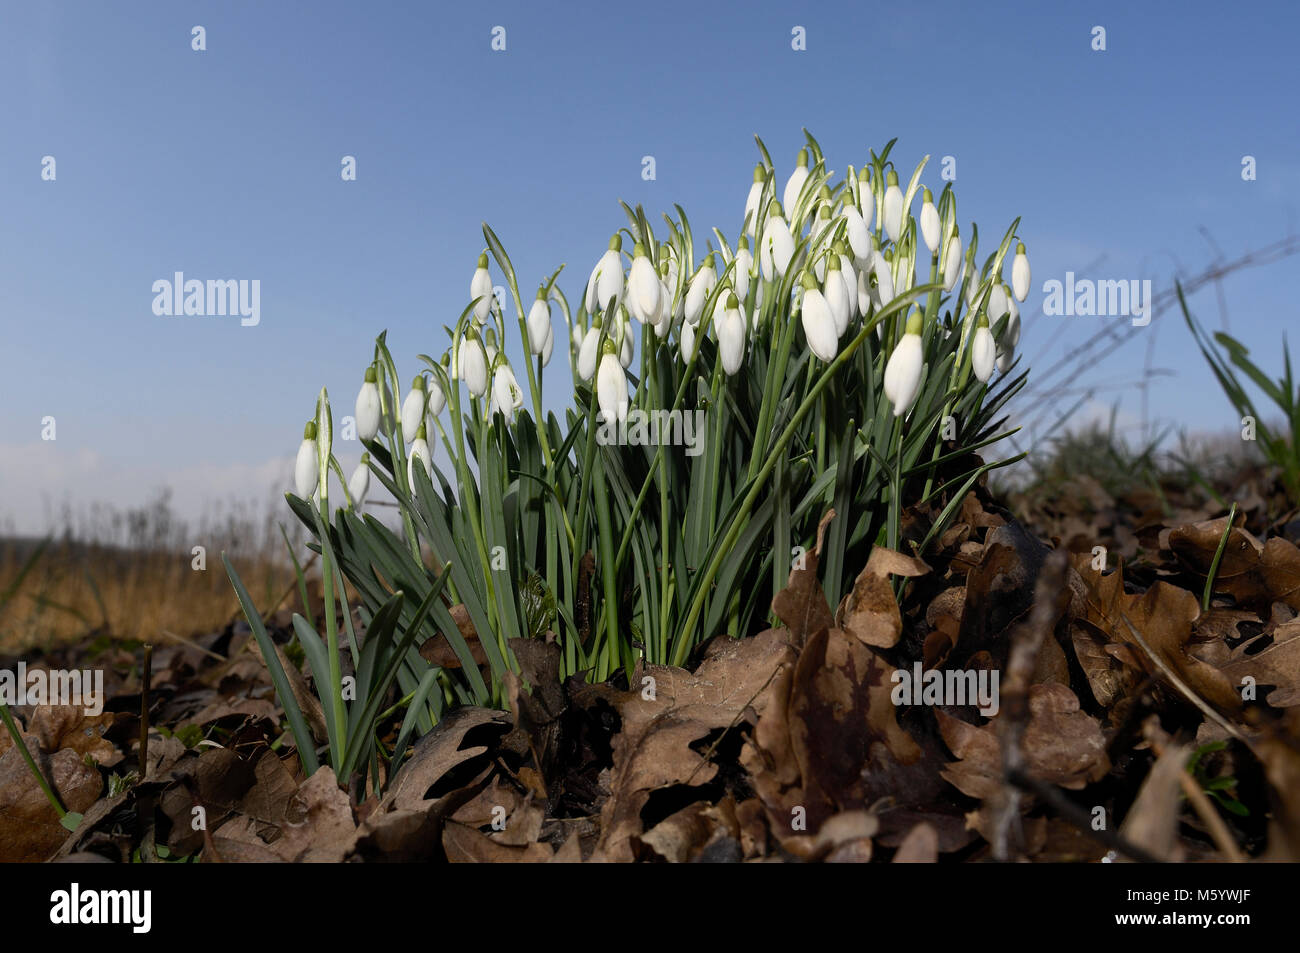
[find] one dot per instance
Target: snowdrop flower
(818, 322)
(859, 235)
(794, 185)
(611, 387)
(929, 222)
(837, 297)
(952, 262)
(701, 285)
(413, 409)
(778, 245)
(420, 454)
(576, 335)
(663, 320)
(480, 286)
(688, 343)
(471, 364)
(903, 372)
(884, 279)
(866, 197)
(731, 336)
(755, 196)
(506, 397)
(587, 354)
(539, 322)
(1020, 272)
(490, 345)
(893, 213)
(643, 287)
(865, 299)
(606, 281)
(367, 412)
(359, 482)
(983, 350)
(437, 399)
(744, 268)
(306, 468)
(997, 302)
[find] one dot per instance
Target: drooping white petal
(480, 286)
(837, 299)
(473, 366)
(611, 389)
(794, 185)
(930, 226)
(1020, 273)
(859, 235)
(983, 353)
(306, 470)
(731, 340)
(697, 293)
(688, 343)
(359, 484)
(643, 290)
(953, 264)
(367, 411)
(587, 354)
(539, 324)
(413, 409)
(903, 373)
(893, 211)
(819, 325)
(437, 399)
(741, 273)
(419, 455)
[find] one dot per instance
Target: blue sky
(225, 164)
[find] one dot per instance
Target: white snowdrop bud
(419, 456)
(687, 343)
(903, 372)
(643, 287)
(952, 263)
(359, 482)
(588, 353)
(471, 364)
(699, 289)
(997, 302)
(778, 245)
(1020, 272)
(480, 286)
(983, 351)
(368, 405)
(731, 336)
(437, 399)
(818, 322)
(893, 211)
(611, 387)
(849, 275)
(930, 230)
(859, 235)
(606, 281)
(837, 297)
(306, 467)
(866, 198)
(752, 202)
(795, 183)
(539, 322)
(413, 409)
(884, 280)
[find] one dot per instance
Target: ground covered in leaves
(1132, 723)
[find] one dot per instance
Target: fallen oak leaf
(870, 611)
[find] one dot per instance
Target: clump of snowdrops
(840, 353)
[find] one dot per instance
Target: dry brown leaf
(1253, 574)
(870, 611)
(29, 826)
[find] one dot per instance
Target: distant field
(135, 575)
